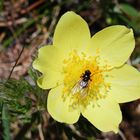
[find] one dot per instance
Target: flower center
(84, 80)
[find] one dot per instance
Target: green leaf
(5, 122)
(129, 10)
(33, 74)
(131, 23)
(16, 94)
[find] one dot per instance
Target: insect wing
(77, 88)
(84, 92)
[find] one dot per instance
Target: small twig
(122, 135)
(31, 7)
(55, 15)
(10, 23)
(40, 132)
(17, 4)
(16, 63)
(74, 130)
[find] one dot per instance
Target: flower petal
(125, 84)
(114, 44)
(59, 109)
(105, 115)
(50, 80)
(71, 32)
(49, 58)
(50, 63)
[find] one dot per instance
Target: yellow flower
(88, 75)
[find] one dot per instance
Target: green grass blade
(5, 122)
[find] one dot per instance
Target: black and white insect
(85, 78)
(82, 85)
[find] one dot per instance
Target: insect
(85, 78)
(82, 85)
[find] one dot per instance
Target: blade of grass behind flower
(5, 122)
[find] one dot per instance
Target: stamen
(79, 85)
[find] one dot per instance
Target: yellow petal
(71, 32)
(49, 58)
(125, 84)
(50, 80)
(59, 109)
(105, 115)
(114, 44)
(50, 63)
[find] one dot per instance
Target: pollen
(74, 68)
